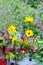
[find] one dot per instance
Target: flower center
(29, 33)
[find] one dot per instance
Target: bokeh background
(14, 11)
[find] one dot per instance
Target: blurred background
(14, 11)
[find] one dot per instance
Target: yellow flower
(12, 29)
(29, 33)
(14, 39)
(28, 19)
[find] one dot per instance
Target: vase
(24, 61)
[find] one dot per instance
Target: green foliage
(33, 3)
(13, 13)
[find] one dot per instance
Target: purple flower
(22, 35)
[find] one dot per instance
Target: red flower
(11, 49)
(23, 49)
(7, 50)
(3, 61)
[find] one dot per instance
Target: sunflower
(14, 39)
(28, 19)
(29, 33)
(12, 29)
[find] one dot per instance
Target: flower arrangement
(18, 46)
(21, 30)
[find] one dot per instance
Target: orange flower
(25, 41)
